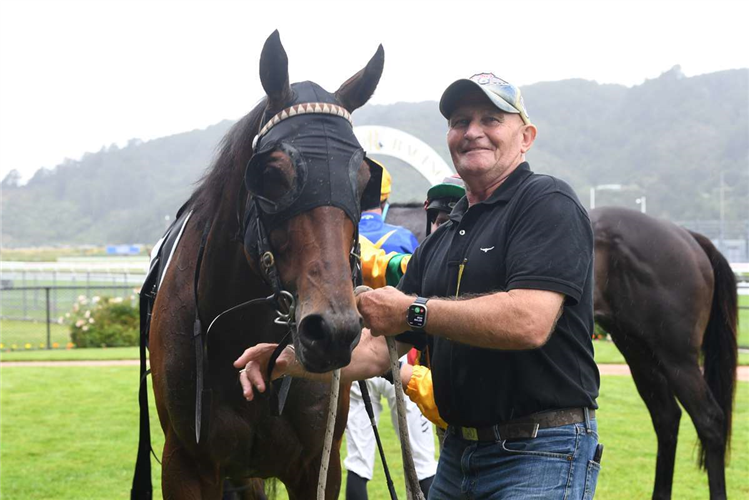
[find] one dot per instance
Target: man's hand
(384, 311)
(254, 363)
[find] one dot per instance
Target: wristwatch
(417, 314)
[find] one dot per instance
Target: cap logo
(488, 79)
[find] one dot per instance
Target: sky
(77, 75)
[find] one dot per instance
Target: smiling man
(501, 297)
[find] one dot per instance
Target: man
(360, 439)
(510, 316)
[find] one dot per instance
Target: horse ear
(359, 88)
(274, 72)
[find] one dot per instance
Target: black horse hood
(321, 143)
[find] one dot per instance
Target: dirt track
(742, 373)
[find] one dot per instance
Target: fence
(33, 317)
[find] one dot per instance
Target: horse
(273, 222)
(668, 298)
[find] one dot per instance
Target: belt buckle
(469, 433)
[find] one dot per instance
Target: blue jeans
(556, 464)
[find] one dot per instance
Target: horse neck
(225, 274)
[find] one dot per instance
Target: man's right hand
(253, 365)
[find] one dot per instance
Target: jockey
(373, 227)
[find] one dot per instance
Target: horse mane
(235, 148)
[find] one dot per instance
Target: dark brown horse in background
(312, 254)
(668, 299)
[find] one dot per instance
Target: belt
(524, 427)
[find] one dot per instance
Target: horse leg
(183, 478)
(303, 485)
(244, 489)
(694, 394)
(664, 411)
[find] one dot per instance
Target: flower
(70, 345)
(88, 314)
(84, 328)
(96, 299)
(90, 320)
(55, 345)
(27, 346)
(80, 323)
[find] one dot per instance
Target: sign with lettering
(376, 139)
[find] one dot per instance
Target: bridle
(253, 232)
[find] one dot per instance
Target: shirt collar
(503, 193)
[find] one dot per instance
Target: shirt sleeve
(421, 392)
(550, 247)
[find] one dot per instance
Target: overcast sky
(79, 75)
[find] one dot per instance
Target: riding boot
(356, 487)
(425, 485)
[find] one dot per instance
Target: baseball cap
(502, 94)
(451, 187)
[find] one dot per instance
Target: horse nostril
(314, 327)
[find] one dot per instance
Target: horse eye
(276, 181)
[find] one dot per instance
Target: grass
(89, 354)
(20, 333)
(52, 254)
(77, 438)
(606, 353)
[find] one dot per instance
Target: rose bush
(104, 322)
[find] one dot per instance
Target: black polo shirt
(532, 233)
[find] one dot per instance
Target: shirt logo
(486, 250)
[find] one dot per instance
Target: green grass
(77, 438)
(92, 354)
(606, 353)
(52, 254)
(20, 333)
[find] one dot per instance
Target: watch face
(417, 316)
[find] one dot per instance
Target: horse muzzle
(325, 340)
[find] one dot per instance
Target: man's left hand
(384, 311)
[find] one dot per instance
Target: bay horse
(668, 299)
(276, 216)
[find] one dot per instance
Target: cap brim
(451, 97)
(445, 191)
(441, 204)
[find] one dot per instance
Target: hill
(668, 139)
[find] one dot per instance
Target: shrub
(104, 322)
